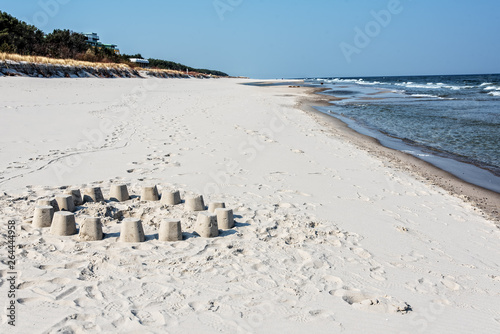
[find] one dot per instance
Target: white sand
(327, 237)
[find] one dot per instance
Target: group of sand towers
(58, 214)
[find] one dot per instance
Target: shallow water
(451, 117)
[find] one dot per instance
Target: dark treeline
(170, 65)
(19, 37)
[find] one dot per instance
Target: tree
(65, 44)
(17, 36)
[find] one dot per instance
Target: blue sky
(289, 38)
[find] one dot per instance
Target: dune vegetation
(20, 41)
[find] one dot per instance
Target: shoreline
(486, 200)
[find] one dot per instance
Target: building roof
(139, 60)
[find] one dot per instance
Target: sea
(451, 121)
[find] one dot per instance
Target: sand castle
(225, 218)
(206, 225)
(43, 216)
(76, 194)
(170, 230)
(170, 197)
(49, 202)
(65, 203)
(91, 229)
(132, 230)
(119, 193)
(63, 224)
(215, 205)
(195, 203)
(93, 194)
(150, 193)
(61, 214)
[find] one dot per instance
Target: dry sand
(328, 237)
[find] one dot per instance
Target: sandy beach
(330, 237)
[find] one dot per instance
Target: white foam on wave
(411, 84)
(354, 81)
(429, 96)
(425, 95)
(398, 91)
(369, 82)
(497, 93)
(431, 85)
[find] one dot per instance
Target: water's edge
(464, 171)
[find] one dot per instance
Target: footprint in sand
(362, 253)
(30, 300)
(74, 323)
(412, 257)
(423, 286)
(216, 322)
(66, 293)
(313, 315)
(377, 273)
(369, 302)
(332, 283)
(450, 283)
(149, 318)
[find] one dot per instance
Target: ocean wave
(431, 85)
(425, 95)
(429, 96)
(497, 93)
(362, 82)
(354, 81)
(411, 84)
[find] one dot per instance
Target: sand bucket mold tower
(194, 203)
(93, 194)
(170, 197)
(65, 203)
(149, 193)
(132, 230)
(215, 205)
(43, 216)
(206, 225)
(170, 230)
(63, 224)
(91, 229)
(119, 193)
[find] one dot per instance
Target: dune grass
(159, 70)
(53, 61)
(79, 63)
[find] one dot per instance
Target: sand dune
(328, 238)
